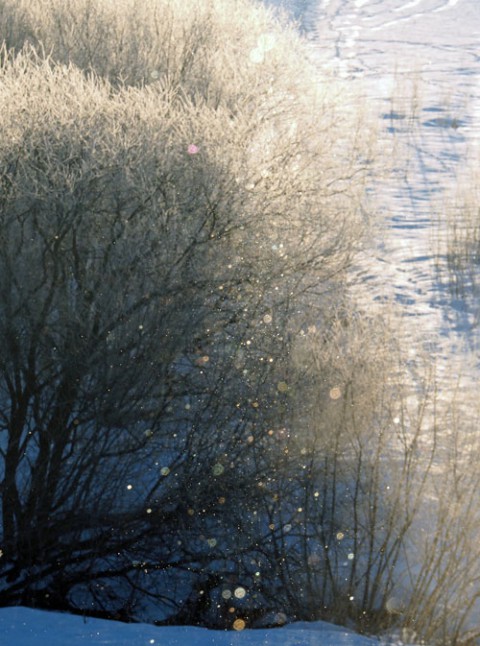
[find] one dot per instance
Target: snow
(27, 627)
(415, 65)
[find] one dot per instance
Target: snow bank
(26, 627)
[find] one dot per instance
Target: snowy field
(416, 65)
(25, 627)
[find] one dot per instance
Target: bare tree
(147, 298)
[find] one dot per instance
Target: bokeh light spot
(218, 469)
(240, 592)
(266, 42)
(239, 624)
(335, 393)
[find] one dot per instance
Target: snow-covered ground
(416, 66)
(26, 627)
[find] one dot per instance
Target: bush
(166, 213)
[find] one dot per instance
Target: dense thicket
(159, 247)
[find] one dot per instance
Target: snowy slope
(26, 627)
